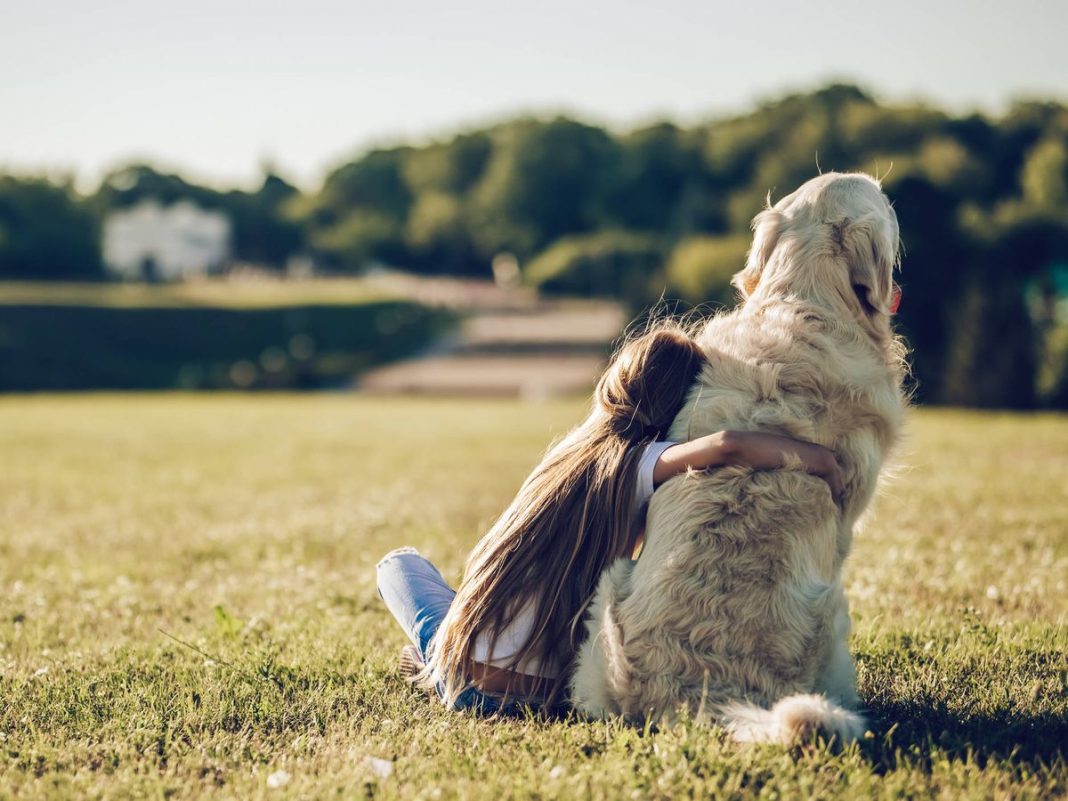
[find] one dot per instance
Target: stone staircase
(509, 343)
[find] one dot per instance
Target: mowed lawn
(248, 527)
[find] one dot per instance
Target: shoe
(411, 664)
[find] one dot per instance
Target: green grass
(250, 527)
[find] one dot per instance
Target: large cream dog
(735, 609)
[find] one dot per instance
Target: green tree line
(664, 211)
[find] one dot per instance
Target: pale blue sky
(213, 88)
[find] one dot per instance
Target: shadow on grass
(917, 730)
(918, 734)
(913, 733)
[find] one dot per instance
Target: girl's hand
(754, 449)
(762, 451)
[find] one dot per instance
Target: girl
(509, 635)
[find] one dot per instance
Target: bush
(700, 268)
(617, 264)
(77, 347)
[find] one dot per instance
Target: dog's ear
(766, 227)
(870, 248)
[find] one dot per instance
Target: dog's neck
(841, 317)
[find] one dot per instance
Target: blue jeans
(418, 596)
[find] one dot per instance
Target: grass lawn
(249, 527)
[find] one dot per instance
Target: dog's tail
(794, 719)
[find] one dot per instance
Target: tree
(452, 168)
(46, 232)
(1044, 177)
(438, 233)
(658, 185)
(375, 182)
(543, 181)
(129, 185)
(359, 215)
(263, 230)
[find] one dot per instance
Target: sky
(216, 89)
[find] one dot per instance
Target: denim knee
(387, 559)
(395, 553)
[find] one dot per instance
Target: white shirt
(515, 635)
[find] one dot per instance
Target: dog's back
(737, 594)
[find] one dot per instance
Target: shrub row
(73, 347)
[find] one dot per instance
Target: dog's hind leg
(837, 678)
(601, 671)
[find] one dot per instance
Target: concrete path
(510, 343)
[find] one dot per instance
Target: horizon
(215, 95)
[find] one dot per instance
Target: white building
(153, 242)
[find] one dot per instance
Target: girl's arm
(753, 449)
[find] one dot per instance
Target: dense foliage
(664, 210)
(45, 231)
(155, 344)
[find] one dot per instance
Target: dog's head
(833, 241)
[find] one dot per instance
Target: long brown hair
(572, 517)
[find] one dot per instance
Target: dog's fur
(735, 610)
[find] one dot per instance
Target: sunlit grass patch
(187, 609)
(208, 292)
